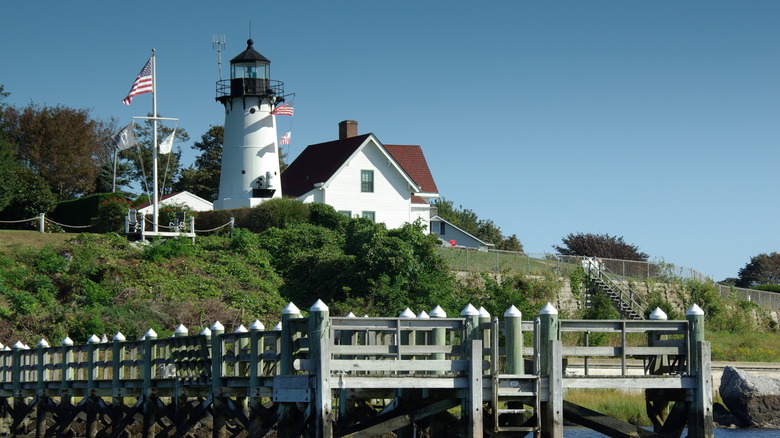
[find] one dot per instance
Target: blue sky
(658, 121)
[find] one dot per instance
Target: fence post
(285, 414)
(656, 402)
(217, 368)
(513, 332)
(695, 317)
(548, 332)
(146, 372)
(439, 334)
(232, 225)
(319, 349)
(117, 356)
(41, 223)
(67, 371)
(484, 318)
(256, 349)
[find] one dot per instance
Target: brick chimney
(347, 129)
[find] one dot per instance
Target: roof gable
(412, 161)
(317, 164)
(321, 162)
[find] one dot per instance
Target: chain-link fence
(471, 259)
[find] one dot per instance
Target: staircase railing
(598, 271)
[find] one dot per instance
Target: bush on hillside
(111, 214)
(768, 287)
(279, 213)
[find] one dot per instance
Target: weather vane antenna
(218, 42)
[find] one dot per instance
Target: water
(578, 432)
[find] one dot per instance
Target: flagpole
(155, 196)
(113, 183)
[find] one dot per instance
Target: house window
(367, 181)
(442, 229)
(346, 213)
(370, 215)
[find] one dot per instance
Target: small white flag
(167, 145)
(124, 138)
(286, 138)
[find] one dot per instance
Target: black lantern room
(250, 75)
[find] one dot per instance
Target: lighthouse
(250, 155)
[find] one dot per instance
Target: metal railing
(531, 263)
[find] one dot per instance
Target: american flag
(142, 84)
(283, 110)
(286, 138)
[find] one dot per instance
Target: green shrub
(279, 213)
(49, 262)
(167, 249)
(768, 287)
(326, 216)
(111, 213)
(81, 211)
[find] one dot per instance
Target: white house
(182, 199)
(361, 177)
(451, 235)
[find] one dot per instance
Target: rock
(723, 418)
(754, 400)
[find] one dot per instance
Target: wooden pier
(324, 376)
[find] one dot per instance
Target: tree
(483, 229)
(599, 245)
(202, 179)
(65, 146)
(762, 269)
(30, 195)
(140, 157)
(6, 154)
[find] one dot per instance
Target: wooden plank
(601, 423)
(402, 365)
(390, 422)
(392, 350)
(390, 324)
(637, 382)
(554, 411)
(475, 390)
(630, 351)
(432, 382)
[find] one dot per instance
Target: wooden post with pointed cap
(117, 357)
(148, 390)
(656, 400)
(700, 418)
(217, 371)
(473, 353)
(285, 412)
(513, 334)
(319, 350)
(549, 355)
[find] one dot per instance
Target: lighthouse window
(367, 181)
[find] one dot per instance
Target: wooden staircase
(629, 304)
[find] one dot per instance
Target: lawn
(18, 240)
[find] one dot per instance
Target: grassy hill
(57, 285)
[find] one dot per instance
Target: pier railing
(506, 376)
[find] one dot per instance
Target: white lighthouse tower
(250, 155)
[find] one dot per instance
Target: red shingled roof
(412, 160)
(318, 162)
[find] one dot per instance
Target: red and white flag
(286, 138)
(143, 83)
(283, 110)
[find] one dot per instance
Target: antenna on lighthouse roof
(218, 42)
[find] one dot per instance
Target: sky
(653, 120)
